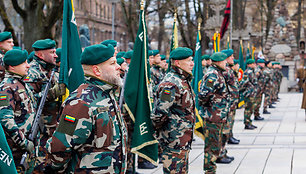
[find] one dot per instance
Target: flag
(71, 71)
(198, 74)
(228, 43)
(174, 38)
(137, 97)
(248, 55)
(241, 70)
(216, 39)
(253, 52)
(7, 164)
(226, 19)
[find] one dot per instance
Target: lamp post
(113, 16)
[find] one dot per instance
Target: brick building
(97, 15)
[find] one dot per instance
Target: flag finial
(142, 5)
(175, 16)
(199, 23)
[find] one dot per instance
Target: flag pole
(231, 25)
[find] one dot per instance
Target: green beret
(218, 57)
(228, 52)
(5, 36)
(162, 57)
(31, 56)
(236, 61)
(275, 63)
(15, 57)
(181, 53)
(59, 55)
(112, 42)
(120, 60)
(206, 57)
(96, 54)
(260, 60)
(44, 44)
(168, 60)
(250, 61)
(128, 55)
(120, 54)
(17, 48)
(153, 52)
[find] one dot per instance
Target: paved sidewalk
(277, 146)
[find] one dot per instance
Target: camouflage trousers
(213, 145)
(130, 129)
(248, 110)
(175, 161)
(257, 104)
(267, 100)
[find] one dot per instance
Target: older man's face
(48, 55)
(7, 45)
(110, 71)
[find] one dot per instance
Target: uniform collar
(9, 74)
(105, 86)
(2, 52)
(185, 75)
(45, 65)
(217, 67)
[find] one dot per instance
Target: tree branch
(18, 9)
(56, 12)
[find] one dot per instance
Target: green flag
(71, 72)
(7, 164)
(174, 38)
(198, 74)
(137, 97)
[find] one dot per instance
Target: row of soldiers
(88, 134)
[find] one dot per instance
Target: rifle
(121, 97)
(36, 124)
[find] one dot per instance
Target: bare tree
(6, 21)
(39, 17)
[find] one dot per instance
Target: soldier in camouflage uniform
(17, 106)
(268, 86)
(6, 44)
(174, 113)
(279, 78)
(261, 84)
(91, 135)
(249, 91)
(39, 73)
(205, 59)
(156, 70)
(214, 106)
(232, 82)
(163, 64)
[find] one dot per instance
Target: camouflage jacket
(91, 135)
(268, 79)
(17, 110)
(231, 78)
(248, 83)
(2, 69)
(156, 77)
(174, 113)
(214, 95)
(279, 75)
(38, 76)
(204, 69)
(260, 79)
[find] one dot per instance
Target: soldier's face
(222, 64)
(164, 64)
(110, 71)
(186, 64)
(261, 64)
(7, 45)
(157, 59)
(236, 67)
(21, 69)
(48, 55)
(230, 60)
(128, 61)
(204, 62)
(124, 66)
(208, 62)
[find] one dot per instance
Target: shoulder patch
(166, 95)
(209, 83)
(67, 125)
(4, 100)
(26, 79)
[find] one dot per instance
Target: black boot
(231, 140)
(230, 157)
(266, 112)
(258, 118)
(146, 165)
(249, 127)
(271, 106)
(223, 160)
